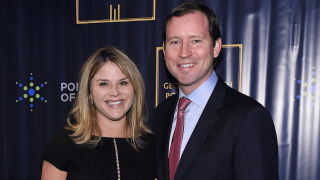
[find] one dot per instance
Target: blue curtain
(271, 52)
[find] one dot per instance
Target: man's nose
(185, 51)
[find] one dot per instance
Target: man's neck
(189, 89)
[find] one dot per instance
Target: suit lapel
(203, 128)
(165, 135)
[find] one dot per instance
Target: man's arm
(256, 152)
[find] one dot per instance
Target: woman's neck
(110, 128)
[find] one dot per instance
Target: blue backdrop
(271, 52)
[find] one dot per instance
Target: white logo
(69, 91)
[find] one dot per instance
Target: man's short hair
(188, 7)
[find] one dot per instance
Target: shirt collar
(201, 95)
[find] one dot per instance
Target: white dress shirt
(199, 98)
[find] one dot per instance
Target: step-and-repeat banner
(271, 52)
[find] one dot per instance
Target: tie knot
(183, 103)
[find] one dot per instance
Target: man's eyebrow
(173, 37)
(192, 36)
(197, 36)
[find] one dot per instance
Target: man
(223, 134)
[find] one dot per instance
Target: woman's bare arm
(50, 172)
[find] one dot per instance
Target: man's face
(189, 51)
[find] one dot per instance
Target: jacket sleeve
(256, 149)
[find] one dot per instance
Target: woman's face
(112, 92)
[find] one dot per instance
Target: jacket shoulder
(235, 98)
(167, 104)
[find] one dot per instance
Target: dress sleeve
(59, 150)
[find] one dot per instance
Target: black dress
(82, 162)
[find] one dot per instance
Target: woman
(106, 136)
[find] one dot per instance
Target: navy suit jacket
(234, 138)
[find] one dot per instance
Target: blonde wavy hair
(82, 118)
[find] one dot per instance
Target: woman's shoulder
(60, 149)
(148, 137)
(62, 133)
(149, 140)
(61, 138)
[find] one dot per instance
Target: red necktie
(174, 155)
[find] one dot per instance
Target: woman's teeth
(114, 103)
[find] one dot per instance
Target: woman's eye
(123, 82)
(103, 84)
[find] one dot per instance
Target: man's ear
(164, 52)
(217, 48)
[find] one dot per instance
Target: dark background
(42, 43)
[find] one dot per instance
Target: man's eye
(123, 82)
(174, 42)
(103, 84)
(196, 41)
